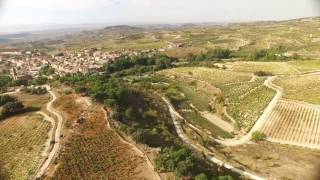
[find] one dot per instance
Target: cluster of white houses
(27, 64)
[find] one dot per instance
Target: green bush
(258, 136)
(179, 161)
(6, 99)
(201, 177)
(262, 73)
(223, 178)
(11, 108)
(37, 90)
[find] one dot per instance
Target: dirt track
(175, 117)
(57, 135)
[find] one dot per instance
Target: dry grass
(275, 161)
(37, 101)
(22, 140)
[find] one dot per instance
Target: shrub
(222, 178)
(262, 73)
(201, 177)
(258, 136)
(179, 161)
(37, 90)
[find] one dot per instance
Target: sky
(18, 12)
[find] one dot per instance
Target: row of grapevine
(294, 123)
(21, 144)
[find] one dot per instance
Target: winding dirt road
(57, 135)
(175, 117)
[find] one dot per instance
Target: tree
(12, 108)
(5, 99)
(179, 161)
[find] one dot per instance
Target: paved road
(175, 117)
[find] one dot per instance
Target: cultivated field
(22, 140)
(91, 150)
(294, 123)
(251, 107)
(305, 66)
(35, 101)
(276, 68)
(215, 77)
(244, 96)
(301, 88)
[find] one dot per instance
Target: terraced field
(294, 123)
(22, 140)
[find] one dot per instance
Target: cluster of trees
(10, 106)
(36, 90)
(183, 163)
(245, 53)
(136, 112)
(40, 80)
(5, 82)
(180, 161)
(211, 55)
(265, 54)
(46, 71)
(110, 91)
(139, 64)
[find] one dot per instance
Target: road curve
(175, 117)
(258, 125)
(57, 135)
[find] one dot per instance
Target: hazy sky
(14, 12)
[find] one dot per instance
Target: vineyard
(277, 68)
(305, 66)
(215, 77)
(294, 123)
(244, 96)
(250, 108)
(91, 150)
(22, 140)
(301, 88)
